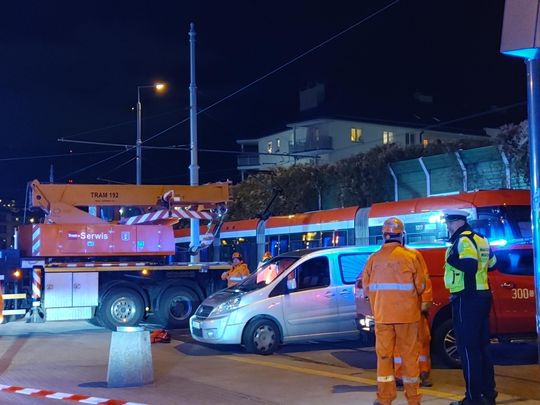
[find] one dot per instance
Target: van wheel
(176, 306)
(121, 307)
(444, 344)
(261, 336)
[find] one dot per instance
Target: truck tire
(444, 344)
(121, 307)
(261, 336)
(176, 306)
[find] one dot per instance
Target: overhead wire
(241, 89)
(282, 66)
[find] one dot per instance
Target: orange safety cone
(160, 336)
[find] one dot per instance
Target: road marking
(84, 399)
(329, 374)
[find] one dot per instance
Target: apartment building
(327, 140)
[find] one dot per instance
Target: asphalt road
(72, 357)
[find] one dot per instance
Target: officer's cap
(453, 214)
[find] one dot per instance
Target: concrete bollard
(130, 358)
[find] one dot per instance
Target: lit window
(278, 144)
(269, 147)
(356, 134)
(388, 137)
(425, 142)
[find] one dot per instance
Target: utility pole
(194, 166)
(520, 38)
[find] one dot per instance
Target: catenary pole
(194, 166)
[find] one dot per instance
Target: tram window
(516, 262)
(283, 244)
(340, 238)
(327, 239)
(311, 239)
(297, 244)
(351, 266)
(273, 245)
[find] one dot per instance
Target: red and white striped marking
(36, 284)
(166, 214)
(83, 399)
(36, 240)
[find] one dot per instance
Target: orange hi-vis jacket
(236, 274)
(393, 279)
(427, 295)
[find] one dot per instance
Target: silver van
(300, 295)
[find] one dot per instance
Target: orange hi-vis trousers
(402, 337)
(424, 342)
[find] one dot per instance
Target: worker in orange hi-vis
(424, 335)
(393, 280)
(238, 272)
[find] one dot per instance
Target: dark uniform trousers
(470, 313)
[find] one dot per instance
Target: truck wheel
(121, 307)
(261, 336)
(176, 306)
(444, 344)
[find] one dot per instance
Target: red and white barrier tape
(84, 399)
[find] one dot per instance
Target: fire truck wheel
(444, 344)
(121, 307)
(176, 306)
(261, 336)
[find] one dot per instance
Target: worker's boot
(425, 381)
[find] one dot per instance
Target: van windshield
(266, 274)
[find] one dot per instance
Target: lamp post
(138, 144)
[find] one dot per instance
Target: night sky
(70, 69)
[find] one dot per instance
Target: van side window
(516, 262)
(314, 273)
(351, 266)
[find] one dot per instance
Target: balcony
(315, 144)
(250, 160)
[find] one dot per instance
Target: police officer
(393, 280)
(468, 260)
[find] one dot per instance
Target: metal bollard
(36, 313)
(130, 358)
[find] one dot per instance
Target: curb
(85, 399)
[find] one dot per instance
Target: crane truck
(106, 252)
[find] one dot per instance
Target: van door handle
(329, 294)
(508, 285)
(344, 292)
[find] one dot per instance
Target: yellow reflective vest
(468, 245)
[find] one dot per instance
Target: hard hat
(453, 214)
(393, 225)
(267, 256)
(237, 255)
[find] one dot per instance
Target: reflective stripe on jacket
(393, 279)
(237, 274)
(472, 246)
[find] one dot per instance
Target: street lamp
(158, 87)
